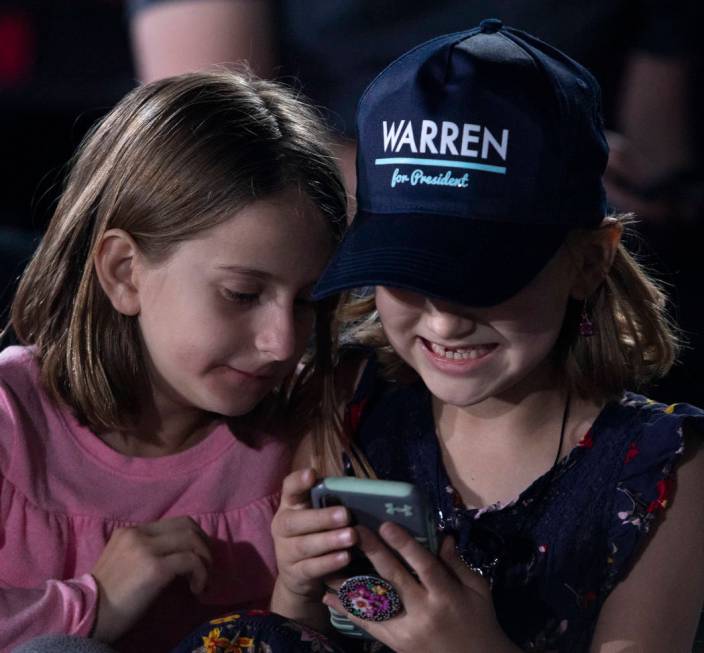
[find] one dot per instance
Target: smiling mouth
(260, 376)
(472, 352)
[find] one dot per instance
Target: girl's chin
(226, 407)
(449, 393)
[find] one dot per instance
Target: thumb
(296, 488)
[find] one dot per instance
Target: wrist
(303, 608)
(102, 629)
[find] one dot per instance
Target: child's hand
(310, 544)
(447, 608)
(139, 562)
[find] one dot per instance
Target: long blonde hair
(173, 158)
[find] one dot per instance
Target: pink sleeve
(65, 607)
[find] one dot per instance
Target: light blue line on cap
(442, 164)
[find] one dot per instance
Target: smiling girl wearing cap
(507, 325)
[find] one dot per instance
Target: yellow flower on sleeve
(225, 619)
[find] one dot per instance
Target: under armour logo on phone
(405, 509)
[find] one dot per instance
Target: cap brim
(467, 261)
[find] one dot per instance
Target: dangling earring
(586, 326)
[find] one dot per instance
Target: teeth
(469, 353)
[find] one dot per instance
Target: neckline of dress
(444, 485)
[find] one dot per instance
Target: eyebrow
(259, 274)
(241, 269)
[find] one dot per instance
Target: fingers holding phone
(371, 502)
(310, 543)
(443, 604)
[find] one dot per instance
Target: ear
(593, 256)
(115, 264)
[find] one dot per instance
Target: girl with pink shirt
(161, 320)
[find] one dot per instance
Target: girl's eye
(243, 298)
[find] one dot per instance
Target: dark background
(63, 64)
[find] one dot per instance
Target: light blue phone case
(372, 502)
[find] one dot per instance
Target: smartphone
(372, 502)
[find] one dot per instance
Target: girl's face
(227, 316)
(466, 355)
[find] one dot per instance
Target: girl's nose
(448, 324)
(276, 334)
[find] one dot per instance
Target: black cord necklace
(491, 553)
(565, 416)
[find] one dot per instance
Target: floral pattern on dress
(558, 549)
(255, 631)
(569, 538)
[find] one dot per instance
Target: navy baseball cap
(477, 153)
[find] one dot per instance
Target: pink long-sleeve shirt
(63, 492)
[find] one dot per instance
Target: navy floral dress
(553, 554)
(556, 552)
